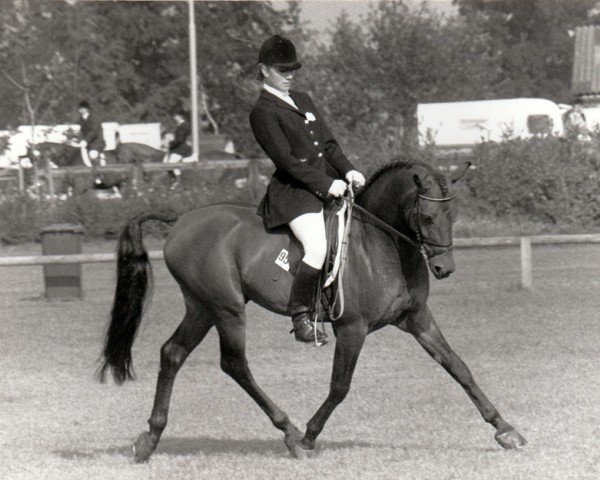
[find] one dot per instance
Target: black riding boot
(301, 303)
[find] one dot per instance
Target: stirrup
(306, 332)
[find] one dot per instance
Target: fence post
(526, 274)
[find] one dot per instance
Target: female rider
(310, 166)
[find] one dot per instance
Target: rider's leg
(309, 229)
(85, 157)
(93, 157)
(174, 158)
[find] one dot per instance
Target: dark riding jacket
(90, 130)
(306, 155)
(179, 143)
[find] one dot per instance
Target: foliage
(533, 39)
(371, 76)
(548, 180)
(22, 217)
(130, 59)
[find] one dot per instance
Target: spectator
(575, 122)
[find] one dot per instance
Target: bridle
(421, 240)
(419, 245)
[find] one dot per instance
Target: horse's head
(431, 216)
(416, 200)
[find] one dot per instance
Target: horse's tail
(134, 279)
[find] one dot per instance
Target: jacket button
(312, 132)
(316, 143)
(306, 121)
(320, 154)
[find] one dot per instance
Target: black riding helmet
(280, 52)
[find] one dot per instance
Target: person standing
(310, 166)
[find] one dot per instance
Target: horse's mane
(404, 162)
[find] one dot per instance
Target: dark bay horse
(222, 257)
(138, 153)
(61, 154)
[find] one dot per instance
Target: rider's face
(278, 78)
(84, 112)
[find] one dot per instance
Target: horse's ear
(457, 174)
(418, 182)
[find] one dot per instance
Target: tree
(372, 75)
(130, 59)
(532, 37)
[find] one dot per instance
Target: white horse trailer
(465, 124)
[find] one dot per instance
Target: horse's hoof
(307, 444)
(510, 439)
(300, 452)
(143, 447)
(292, 441)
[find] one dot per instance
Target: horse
(138, 153)
(60, 154)
(222, 257)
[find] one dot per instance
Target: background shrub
(541, 185)
(550, 180)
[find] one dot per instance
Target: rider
(310, 166)
(179, 147)
(90, 134)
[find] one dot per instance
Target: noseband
(421, 240)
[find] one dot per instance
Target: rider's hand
(355, 178)
(337, 189)
(82, 144)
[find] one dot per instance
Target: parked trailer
(466, 124)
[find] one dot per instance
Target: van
(465, 124)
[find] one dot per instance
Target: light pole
(193, 79)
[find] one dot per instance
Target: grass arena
(535, 354)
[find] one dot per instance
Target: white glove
(337, 189)
(355, 178)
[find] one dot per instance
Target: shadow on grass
(183, 446)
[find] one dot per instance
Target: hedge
(517, 187)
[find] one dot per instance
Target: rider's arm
(272, 139)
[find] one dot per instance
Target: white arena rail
(484, 242)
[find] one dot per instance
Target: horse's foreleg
(349, 342)
(428, 334)
(232, 337)
(173, 354)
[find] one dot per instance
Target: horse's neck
(388, 196)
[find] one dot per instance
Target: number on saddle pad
(282, 260)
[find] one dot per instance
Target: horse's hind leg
(423, 327)
(232, 337)
(189, 334)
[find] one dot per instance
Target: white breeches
(309, 229)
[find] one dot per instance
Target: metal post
(526, 275)
(193, 80)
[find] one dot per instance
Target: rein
(338, 297)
